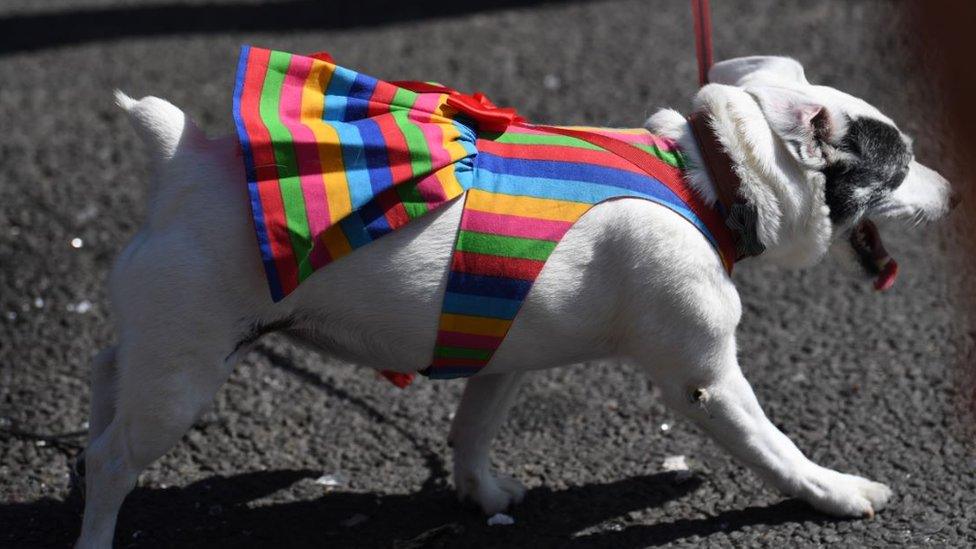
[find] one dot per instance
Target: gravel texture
(862, 382)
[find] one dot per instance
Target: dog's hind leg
(483, 409)
(161, 391)
(713, 392)
(103, 393)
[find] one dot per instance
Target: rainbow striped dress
(335, 159)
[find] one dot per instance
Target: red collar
(739, 216)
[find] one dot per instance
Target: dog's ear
(804, 124)
(758, 70)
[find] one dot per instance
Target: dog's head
(815, 162)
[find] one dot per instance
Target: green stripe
(461, 352)
(505, 246)
(284, 152)
(673, 158)
(544, 139)
(413, 203)
(420, 161)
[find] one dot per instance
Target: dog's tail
(161, 125)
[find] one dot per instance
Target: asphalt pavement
(862, 382)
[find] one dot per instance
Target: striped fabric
(335, 159)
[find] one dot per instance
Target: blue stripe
(360, 92)
(356, 234)
(492, 307)
(374, 220)
(354, 162)
(336, 94)
(563, 170)
(257, 212)
(488, 286)
(377, 155)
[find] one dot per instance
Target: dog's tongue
(866, 241)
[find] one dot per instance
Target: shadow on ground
(216, 512)
(31, 31)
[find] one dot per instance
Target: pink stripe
(306, 153)
(663, 143)
(514, 225)
(468, 341)
(431, 191)
(421, 113)
(622, 136)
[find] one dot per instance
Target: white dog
(631, 280)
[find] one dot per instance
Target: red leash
(702, 14)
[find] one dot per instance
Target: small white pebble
(500, 519)
(11, 315)
(675, 463)
(665, 427)
(40, 443)
(39, 302)
(83, 306)
(77, 242)
(330, 481)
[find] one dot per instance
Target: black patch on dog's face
(875, 165)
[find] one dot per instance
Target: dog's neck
(791, 221)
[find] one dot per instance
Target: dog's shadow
(248, 510)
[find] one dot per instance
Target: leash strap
(702, 14)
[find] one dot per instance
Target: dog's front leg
(483, 409)
(718, 398)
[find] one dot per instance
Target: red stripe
(393, 209)
(266, 170)
(440, 362)
(468, 341)
(398, 160)
(396, 147)
(559, 153)
(379, 102)
(493, 265)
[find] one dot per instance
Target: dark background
(862, 382)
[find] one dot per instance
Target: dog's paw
(493, 494)
(843, 495)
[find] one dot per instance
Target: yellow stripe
(442, 110)
(336, 242)
(327, 139)
(526, 206)
(449, 181)
(455, 150)
(475, 325)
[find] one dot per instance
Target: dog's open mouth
(866, 241)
